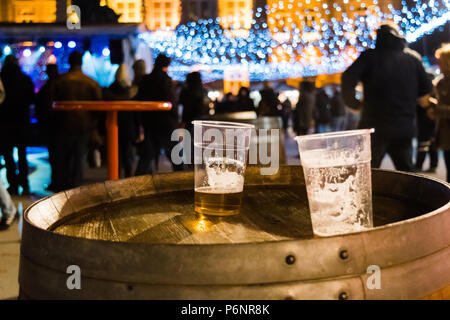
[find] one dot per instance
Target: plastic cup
(220, 160)
(338, 181)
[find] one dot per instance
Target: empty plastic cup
(338, 181)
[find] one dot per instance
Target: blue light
(7, 50)
(106, 52)
(337, 39)
(26, 53)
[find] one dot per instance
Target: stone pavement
(9, 253)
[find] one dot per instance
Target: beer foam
(225, 174)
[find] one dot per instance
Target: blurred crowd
(74, 138)
(399, 100)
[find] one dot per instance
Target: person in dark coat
(305, 108)
(338, 111)
(244, 102)
(14, 122)
(194, 100)
(286, 112)
(393, 78)
(45, 116)
(322, 111)
(159, 125)
(74, 127)
(195, 104)
(227, 105)
(268, 106)
(121, 89)
(8, 210)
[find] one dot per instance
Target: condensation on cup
(338, 181)
(220, 160)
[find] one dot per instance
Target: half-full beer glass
(338, 180)
(220, 159)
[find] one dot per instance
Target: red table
(112, 132)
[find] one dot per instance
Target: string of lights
(307, 43)
(294, 39)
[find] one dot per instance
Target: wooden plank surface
(268, 213)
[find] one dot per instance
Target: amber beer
(215, 202)
(220, 160)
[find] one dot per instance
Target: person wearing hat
(394, 79)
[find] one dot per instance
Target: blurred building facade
(162, 14)
(193, 10)
(19, 11)
(280, 16)
(131, 11)
(235, 14)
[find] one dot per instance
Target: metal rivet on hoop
(343, 254)
(290, 259)
(343, 295)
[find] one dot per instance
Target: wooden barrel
(139, 238)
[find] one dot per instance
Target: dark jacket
(44, 103)
(19, 95)
(337, 105)
(245, 103)
(442, 112)
(75, 86)
(268, 106)
(158, 86)
(323, 108)
(393, 78)
(194, 105)
(304, 111)
(227, 105)
(127, 120)
(426, 127)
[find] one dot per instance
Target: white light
(27, 53)
(193, 45)
(106, 52)
(41, 49)
(72, 44)
(58, 44)
(7, 50)
(428, 27)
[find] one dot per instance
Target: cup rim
(222, 124)
(336, 134)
